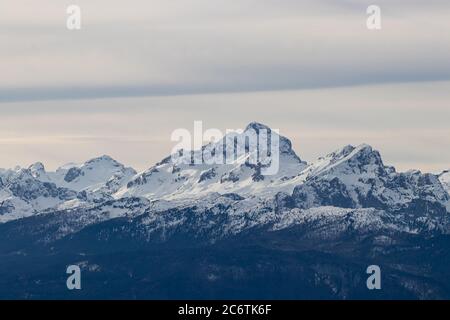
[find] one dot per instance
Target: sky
(137, 70)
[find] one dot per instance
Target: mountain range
(184, 230)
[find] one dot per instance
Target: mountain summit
(171, 180)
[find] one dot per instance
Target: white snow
(94, 174)
(168, 184)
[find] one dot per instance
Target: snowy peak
(364, 160)
(362, 155)
(284, 143)
(257, 127)
(180, 176)
(360, 161)
(341, 153)
(355, 177)
(37, 169)
(93, 174)
(24, 192)
(103, 161)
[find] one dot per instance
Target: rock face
(357, 178)
(186, 180)
(25, 192)
(444, 178)
(229, 231)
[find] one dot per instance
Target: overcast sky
(137, 70)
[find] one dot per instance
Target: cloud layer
(139, 47)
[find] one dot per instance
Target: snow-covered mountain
(184, 180)
(23, 195)
(324, 218)
(28, 191)
(357, 178)
(99, 174)
(351, 177)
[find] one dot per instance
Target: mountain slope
(22, 195)
(102, 173)
(223, 253)
(26, 192)
(182, 178)
(357, 178)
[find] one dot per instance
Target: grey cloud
(197, 46)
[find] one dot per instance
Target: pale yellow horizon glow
(407, 123)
